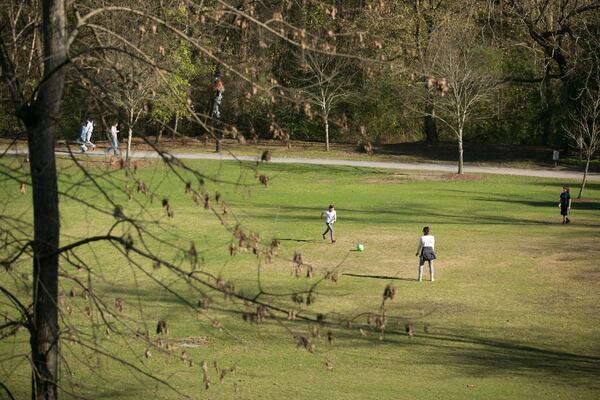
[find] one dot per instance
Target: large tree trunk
(429, 125)
(460, 152)
(40, 119)
(585, 173)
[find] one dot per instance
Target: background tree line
(535, 57)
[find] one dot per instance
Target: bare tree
(584, 129)
(467, 89)
(77, 48)
(323, 85)
(464, 80)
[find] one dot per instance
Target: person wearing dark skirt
(425, 252)
(565, 204)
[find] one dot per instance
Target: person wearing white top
(86, 134)
(114, 140)
(425, 252)
(330, 219)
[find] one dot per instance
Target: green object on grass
(360, 247)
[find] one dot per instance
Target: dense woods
(398, 61)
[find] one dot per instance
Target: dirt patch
(115, 163)
(404, 178)
(463, 177)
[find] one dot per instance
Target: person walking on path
(565, 204)
(114, 139)
(86, 136)
(331, 217)
(425, 252)
(82, 133)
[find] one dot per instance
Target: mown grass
(513, 313)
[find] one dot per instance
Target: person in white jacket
(330, 218)
(114, 139)
(425, 252)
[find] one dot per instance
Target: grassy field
(513, 313)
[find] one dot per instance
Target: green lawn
(513, 313)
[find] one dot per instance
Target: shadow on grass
(409, 215)
(475, 355)
(498, 356)
(379, 277)
(591, 205)
(590, 185)
(298, 240)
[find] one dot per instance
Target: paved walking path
(542, 173)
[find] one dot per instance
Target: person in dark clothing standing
(565, 204)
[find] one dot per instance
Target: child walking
(425, 252)
(330, 219)
(565, 204)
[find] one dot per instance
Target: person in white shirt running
(331, 217)
(425, 252)
(114, 140)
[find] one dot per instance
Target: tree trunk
(460, 152)
(218, 138)
(174, 133)
(326, 133)
(429, 125)
(40, 118)
(128, 151)
(159, 136)
(547, 101)
(585, 173)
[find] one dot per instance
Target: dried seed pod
(161, 327)
(264, 180)
(389, 292)
(303, 341)
(409, 328)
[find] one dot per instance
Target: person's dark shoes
(568, 221)
(333, 241)
(324, 237)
